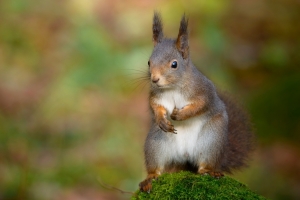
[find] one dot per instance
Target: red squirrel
(194, 127)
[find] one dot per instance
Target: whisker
(139, 82)
(139, 70)
(141, 78)
(140, 85)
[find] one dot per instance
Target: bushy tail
(240, 136)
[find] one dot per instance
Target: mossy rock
(186, 185)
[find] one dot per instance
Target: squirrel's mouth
(161, 83)
(162, 86)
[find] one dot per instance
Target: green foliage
(186, 185)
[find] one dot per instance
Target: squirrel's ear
(157, 29)
(182, 42)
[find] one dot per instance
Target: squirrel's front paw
(176, 115)
(166, 126)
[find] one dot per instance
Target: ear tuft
(182, 42)
(157, 28)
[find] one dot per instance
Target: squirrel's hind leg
(155, 156)
(215, 130)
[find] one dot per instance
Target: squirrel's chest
(172, 99)
(184, 144)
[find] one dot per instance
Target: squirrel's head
(170, 57)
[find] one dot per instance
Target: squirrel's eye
(174, 65)
(149, 63)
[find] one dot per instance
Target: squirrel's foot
(207, 170)
(146, 185)
(216, 174)
(212, 174)
(166, 126)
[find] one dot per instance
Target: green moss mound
(186, 185)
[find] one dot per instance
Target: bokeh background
(74, 111)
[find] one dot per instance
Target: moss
(186, 185)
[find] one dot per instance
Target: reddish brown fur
(191, 110)
(207, 169)
(160, 117)
(146, 185)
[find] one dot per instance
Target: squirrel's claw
(166, 126)
(214, 174)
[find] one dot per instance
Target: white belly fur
(190, 143)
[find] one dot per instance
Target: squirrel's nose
(155, 80)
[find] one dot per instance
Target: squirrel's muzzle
(155, 80)
(155, 77)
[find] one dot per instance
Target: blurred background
(74, 113)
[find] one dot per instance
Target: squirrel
(193, 126)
